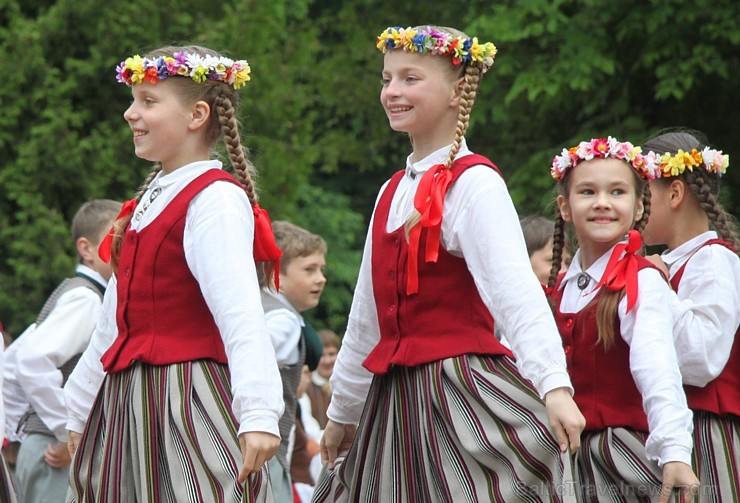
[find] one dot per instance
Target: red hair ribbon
(265, 247)
(429, 202)
(106, 245)
(622, 274)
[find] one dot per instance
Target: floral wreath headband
(601, 148)
(135, 70)
(668, 165)
(427, 40)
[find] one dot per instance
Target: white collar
(596, 271)
(186, 172)
(688, 248)
(437, 157)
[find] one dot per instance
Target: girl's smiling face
(603, 202)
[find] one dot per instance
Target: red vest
(722, 395)
(445, 318)
(161, 315)
(605, 391)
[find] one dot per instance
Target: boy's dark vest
(30, 421)
(291, 377)
(605, 393)
(446, 317)
(722, 395)
(162, 317)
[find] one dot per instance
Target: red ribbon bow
(622, 273)
(265, 247)
(106, 245)
(429, 202)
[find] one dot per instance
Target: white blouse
(218, 242)
(480, 224)
(706, 310)
(653, 362)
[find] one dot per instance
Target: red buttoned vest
(605, 391)
(446, 317)
(161, 315)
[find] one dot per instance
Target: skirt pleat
(612, 466)
(716, 457)
(164, 434)
(464, 429)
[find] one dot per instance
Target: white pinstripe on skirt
(464, 429)
(164, 434)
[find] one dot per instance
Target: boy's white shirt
(64, 333)
(706, 309)
(480, 224)
(218, 244)
(15, 401)
(285, 326)
(653, 361)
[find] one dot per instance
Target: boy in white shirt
(47, 353)
(301, 283)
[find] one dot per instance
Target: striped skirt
(7, 491)
(612, 466)
(463, 429)
(164, 434)
(716, 457)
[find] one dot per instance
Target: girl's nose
(128, 114)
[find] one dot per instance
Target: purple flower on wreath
(163, 70)
(121, 73)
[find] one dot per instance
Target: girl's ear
(639, 209)
(676, 193)
(564, 208)
(199, 115)
(457, 92)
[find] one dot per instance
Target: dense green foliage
(566, 70)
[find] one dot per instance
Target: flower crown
(667, 165)
(135, 70)
(428, 40)
(602, 148)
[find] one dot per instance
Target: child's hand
(257, 448)
(73, 440)
(57, 455)
(336, 438)
(677, 474)
(658, 262)
(565, 418)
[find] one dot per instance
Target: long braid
(706, 194)
(642, 222)
(467, 100)
(120, 225)
(558, 243)
(230, 128)
(243, 167)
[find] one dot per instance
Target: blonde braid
(120, 225)
(467, 100)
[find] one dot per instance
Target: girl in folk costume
(704, 270)
(444, 413)
(610, 307)
(191, 395)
